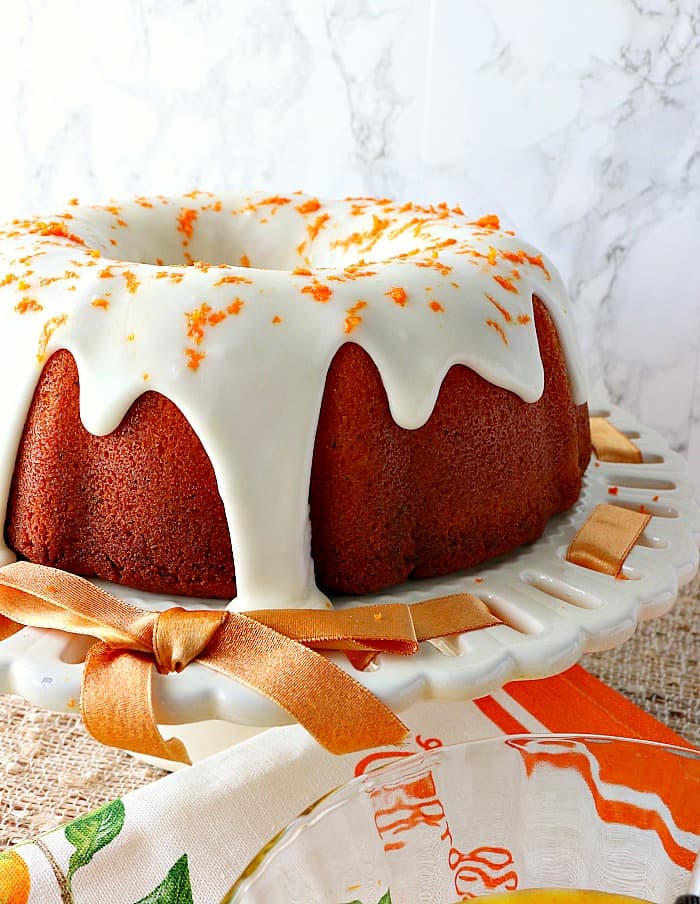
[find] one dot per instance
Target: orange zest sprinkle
(107, 273)
(194, 358)
(318, 224)
(416, 222)
(28, 304)
(301, 271)
(59, 230)
(492, 255)
(490, 221)
(276, 201)
(23, 285)
(536, 261)
(50, 327)
(225, 280)
(398, 294)
(245, 260)
(504, 311)
(236, 306)
(74, 202)
(506, 283)
(277, 319)
(131, 337)
(354, 271)
(318, 291)
(216, 317)
(441, 268)
(367, 240)
(436, 306)
(185, 221)
(132, 283)
(100, 303)
(523, 319)
(351, 321)
(196, 321)
(8, 279)
(300, 248)
(499, 329)
(146, 376)
(310, 206)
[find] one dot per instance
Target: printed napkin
(187, 837)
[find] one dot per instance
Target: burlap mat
(51, 770)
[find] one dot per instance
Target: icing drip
(234, 306)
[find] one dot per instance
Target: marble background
(578, 123)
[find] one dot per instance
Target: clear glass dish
(492, 816)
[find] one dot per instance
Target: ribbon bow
(272, 651)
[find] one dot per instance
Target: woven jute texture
(51, 770)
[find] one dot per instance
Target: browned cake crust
(141, 506)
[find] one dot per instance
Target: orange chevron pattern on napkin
(198, 828)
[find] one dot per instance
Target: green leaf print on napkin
(175, 888)
(385, 899)
(90, 833)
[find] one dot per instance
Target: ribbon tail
(117, 706)
(446, 616)
(440, 617)
(611, 444)
(341, 714)
(606, 538)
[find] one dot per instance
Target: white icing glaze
(243, 351)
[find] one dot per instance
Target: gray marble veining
(578, 124)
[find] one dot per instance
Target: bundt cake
(334, 395)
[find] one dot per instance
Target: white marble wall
(578, 123)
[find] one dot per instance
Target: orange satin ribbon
(271, 651)
(606, 538)
(612, 445)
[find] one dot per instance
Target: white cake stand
(553, 613)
